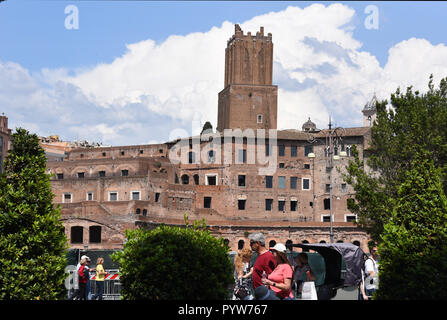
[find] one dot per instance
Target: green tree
(32, 242)
(413, 249)
(415, 122)
(174, 263)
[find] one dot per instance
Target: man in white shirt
(370, 279)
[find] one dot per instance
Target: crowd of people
(274, 276)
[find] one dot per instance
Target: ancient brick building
(239, 181)
(5, 137)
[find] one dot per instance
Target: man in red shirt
(265, 262)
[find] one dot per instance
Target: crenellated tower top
(249, 59)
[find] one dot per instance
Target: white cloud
(152, 89)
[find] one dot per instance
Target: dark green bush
(174, 263)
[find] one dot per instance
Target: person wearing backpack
(82, 279)
(370, 276)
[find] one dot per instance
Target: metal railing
(112, 287)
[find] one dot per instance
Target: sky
(138, 72)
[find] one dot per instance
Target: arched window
(289, 245)
(185, 179)
(322, 241)
(240, 244)
(196, 179)
(95, 234)
(340, 241)
(227, 242)
(138, 211)
(211, 156)
(144, 212)
(305, 249)
(77, 234)
(356, 242)
(272, 243)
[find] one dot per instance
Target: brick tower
(248, 100)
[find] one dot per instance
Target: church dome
(309, 126)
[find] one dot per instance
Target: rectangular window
(60, 176)
(66, 198)
(344, 187)
(281, 182)
(325, 218)
(307, 150)
(207, 202)
(306, 166)
(328, 188)
(281, 205)
(80, 175)
(259, 118)
(293, 205)
(89, 196)
(281, 165)
(350, 218)
(242, 156)
(241, 204)
(268, 204)
(268, 149)
(306, 184)
(211, 180)
(113, 196)
(293, 182)
(269, 182)
(191, 157)
(241, 180)
(157, 197)
(135, 195)
(293, 151)
(102, 173)
(327, 204)
(282, 150)
(124, 173)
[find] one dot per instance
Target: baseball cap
(279, 247)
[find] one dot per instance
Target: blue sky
(34, 39)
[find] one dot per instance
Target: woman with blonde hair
(241, 264)
(100, 274)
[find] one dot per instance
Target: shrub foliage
(413, 249)
(32, 242)
(174, 263)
